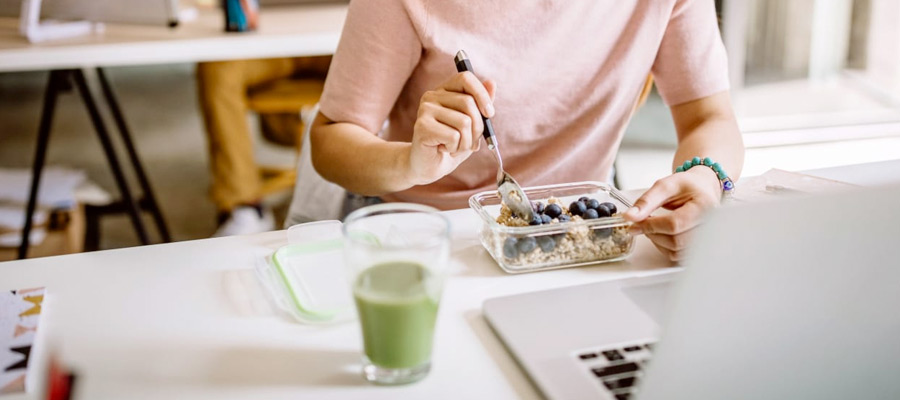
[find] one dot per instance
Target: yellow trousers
(223, 88)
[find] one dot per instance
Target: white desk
(289, 31)
(187, 320)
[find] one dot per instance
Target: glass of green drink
(396, 254)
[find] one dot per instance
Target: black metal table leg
(55, 84)
(132, 154)
(92, 216)
(100, 127)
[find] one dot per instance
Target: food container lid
(307, 277)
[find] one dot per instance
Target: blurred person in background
(224, 88)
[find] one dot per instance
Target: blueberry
(509, 248)
(526, 244)
(584, 199)
(538, 207)
(610, 206)
(592, 203)
(564, 218)
(547, 243)
(577, 208)
(603, 233)
(590, 213)
(553, 210)
(536, 220)
(545, 219)
(603, 211)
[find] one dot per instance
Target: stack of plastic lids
(307, 277)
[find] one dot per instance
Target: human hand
(448, 126)
(688, 194)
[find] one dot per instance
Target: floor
(160, 106)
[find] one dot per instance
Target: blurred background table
(285, 31)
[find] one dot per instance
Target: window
(809, 69)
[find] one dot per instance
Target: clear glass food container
(557, 244)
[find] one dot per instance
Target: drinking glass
(396, 255)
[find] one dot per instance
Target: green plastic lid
(307, 277)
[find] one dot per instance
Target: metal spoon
(510, 191)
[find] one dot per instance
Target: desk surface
(189, 320)
(287, 31)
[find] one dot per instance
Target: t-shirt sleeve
(378, 50)
(691, 62)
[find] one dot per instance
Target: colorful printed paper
(20, 312)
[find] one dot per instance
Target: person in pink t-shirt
(560, 80)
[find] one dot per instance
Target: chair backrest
(315, 199)
(645, 92)
(285, 95)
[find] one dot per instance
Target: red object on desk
(60, 382)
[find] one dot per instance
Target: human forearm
(713, 140)
(708, 128)
(356, 159)
(447, 131)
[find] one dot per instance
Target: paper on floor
(57, 186)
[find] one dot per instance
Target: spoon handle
(462, 65)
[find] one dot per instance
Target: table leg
(100, 127)
(125, 134)
(55, 84)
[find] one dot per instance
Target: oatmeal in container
(574, 224)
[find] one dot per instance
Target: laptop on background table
(796, 299)
(152, 12)
(267, 3)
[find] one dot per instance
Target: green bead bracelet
(727, 183)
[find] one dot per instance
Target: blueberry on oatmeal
(577, 208)
(611, 207)
(603, 233)
(526, 244)
(509, 247)
(538, 207)
(547, 243)
(590, 213)
(603, 211)
(554, 211)
(592, 203)
(545, 219)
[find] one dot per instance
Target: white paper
(777, 183)
(57, 188)
(12, 217)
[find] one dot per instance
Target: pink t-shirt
(568, 74)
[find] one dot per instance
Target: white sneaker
(247, 220)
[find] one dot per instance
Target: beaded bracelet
(727, 183)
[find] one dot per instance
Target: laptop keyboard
(618, 368)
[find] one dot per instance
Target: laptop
(153, 12)
(793, 299)
(268, 3)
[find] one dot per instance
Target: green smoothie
(396, 314)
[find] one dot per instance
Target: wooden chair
(284, 96)
(642, 98)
